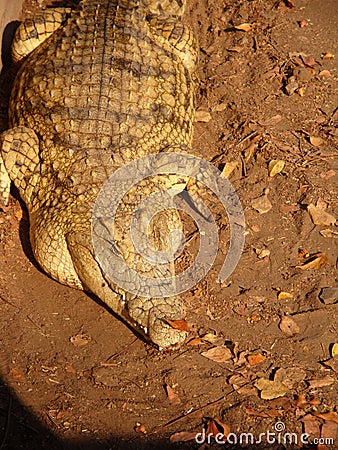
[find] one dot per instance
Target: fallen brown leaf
(172, 397)
(215, 428)
(316, 141)
(303, 23)
(218, 354)
(329, 430)
(321, 382)
(228, 169)
(178, 324)
(202, 116)
(196, 341)
(182, 436)
(329, 233)
(288, 326)
(262, 204)
(308, 60)
(311, 425)
(332, 364)
(327, 55)
(275, 166)
(282, 295)
(331, 416)
(255, 359)
(270, 389)
(319, 216)
(300, 401)
(300, 91)
(325, 73)
(315, 261)
(140, 428)
(244, 27)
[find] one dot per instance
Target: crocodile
(98, 86)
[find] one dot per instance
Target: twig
(184, 416)
(8, 303)
(123, 349)
(8, 420)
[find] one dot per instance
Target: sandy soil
(75, 377)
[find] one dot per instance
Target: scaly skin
(98, 87)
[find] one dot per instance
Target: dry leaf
(228, 169)
(255, 359)
(218, 354)
(182, 436)
(81, 339)
(300, 91)
(140, 428)
(262, 204)
(316, 141)
(311, 425)
(244, 27)
(288, 326)
(327, 55)
(172, 397)
(275, 166)
(308, 60)
(328, 295)
(319, 216)
(271, 389)
(178, 325)
(215, 428)
(332, 364)
(329, 233)
(329, 430)
(220, 107)
(262, 252)
(331, 416)
(196, 341)
(303, 23)
(284, 295)
(202, 116)
(291, 86)
(315, 261)
(321, 382)
(300, 401)
(290, 378)
(325, 73)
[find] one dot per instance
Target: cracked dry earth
(74, 377)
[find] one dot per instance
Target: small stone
(329, 295)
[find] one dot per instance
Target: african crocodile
(98, 86)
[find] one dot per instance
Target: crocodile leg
(19, 158)
(31, 33)
(180, 37)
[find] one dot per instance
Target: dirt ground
(75, 377)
